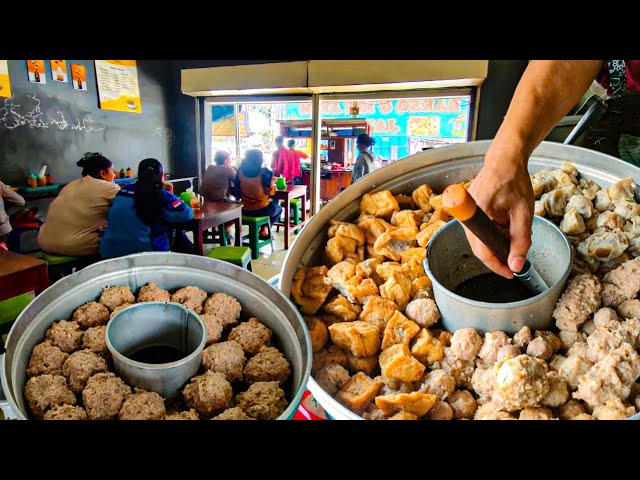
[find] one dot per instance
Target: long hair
(93, 163)
(147, 198)
(252, 163)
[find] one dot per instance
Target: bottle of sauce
(37, 75)
(49, 180)
(122, 174)
(41, 181)
(129, 172)
(32, 181)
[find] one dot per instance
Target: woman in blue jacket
(143, 214)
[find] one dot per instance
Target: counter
(332, 182)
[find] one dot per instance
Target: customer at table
(218, 179)
(77, 216)
(298, 154)
(365, 163)
(283, 161)
(13, 197)
(255, 185)
(143, 216)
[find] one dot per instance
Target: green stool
(294, 215)
(216, 235)
(253, 240)
(63, 265)
(10, 309)
(240, 256)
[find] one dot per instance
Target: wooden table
(212, 215)
(292, 191)
(21, 274)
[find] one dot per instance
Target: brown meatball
(466, 343)
(186, 415)
(46, 359)
(438, 383)
(66, 412)
(440, 411)
(143, 405)
(318, 331)
(536, 413)
(539, 348)
(67, 336)
(190, 297)
(225, 357)
(330, 356)
(423, 311)
(234, 413)
(507, 351)
(208, 393)
(551, 338)
(263, 401)
(225, 307)
(523, 337)
(332, 378)
(268, 365)
(47, 391)
(80, 366)
(94, 341)
(113, 297)
(91, 314)
(104, 395)
(251, 336)
(152, 293)
(493, 342)
(214, 328)
(583, 416)
(463, 404)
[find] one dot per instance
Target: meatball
(67, 336)
(461, 370)
(573, 368)
(523, 337)
(234, 413)
(152, 293)
(613, 409)
(251, 336)
(539, 348)
(330, 356)
(214, 328)
(521, 382)
(373, 413)
(91, 314)
(440, 411)
(492, 410)
(46, 359)
(551, 338)
(225, 307)
(508, 351)
(268, 365)
(536, 413)
(318, 331)
(66, 412)
(113, 297)
(571, 409)
(483, 382)
(463, 404)
(143, 405)
(104, 395)
(588, 327)
(186, 415)
(190, 297)
(94, 341)
(208, 393)
(47, 391)
(558, 393)
(583, 416)
(263, 401)
(629, 308)
(332, 378)
(225, 357)
(606, 319)
(493, 342)
(438, 383)
(555, 362)
(569, 338)
(423, 311)
(466, 343)
(80, 366)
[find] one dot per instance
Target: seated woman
(77, 217)
(218, 178)
(255, 185)
(142, 215)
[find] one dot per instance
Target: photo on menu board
(79, 77)
(5, 84)
(59, 70)
(36, 71)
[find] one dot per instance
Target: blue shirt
(126, 233)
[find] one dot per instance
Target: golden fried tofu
(436, 201)
(342, 276)
(377, 311)
(358, 391)
(397, 289)
(386, 269)
(342, 308)
(399, 329)
(426, 348)
(372, 227)
(380, 204)
(309, 289)
(403, 416)
(406, 218)
(418, 253)
(340, 248)
(427, 232)
(415, 403)
(371, 254)
(416, 266)
(394, 241)
(398, 363)
(318, 332)
(349, 230)
(362, 364)
(421, 197)
(420, 286)
(367, 269)
(405, 202)
(444, 337)
(440, 214)
(359, 338)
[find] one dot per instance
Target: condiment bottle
(122, 173)
(42, 181)
(129, 172)
(49, 180)
(32, 181)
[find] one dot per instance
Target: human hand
(168, 186)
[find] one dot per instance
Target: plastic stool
(253, 240)
(63, 265)
(294, 215)
(10, 309)
(215, 235)
(240, 256)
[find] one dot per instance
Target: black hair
(252, 163)
(366, 140)
(147, 199)
(221, 156)
(93, 163)
(291, 143)
(279, 139)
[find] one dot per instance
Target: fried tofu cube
(421, 197)
(397, 289)
(360, 338)
(342, 308)
(399, 329)
(445, 338)
(426, 348)
(418, 252)
(397, 362)
(318, 332)
(436, 201)
(362, 364)
(405, 202)
(358, 391)
(415, 403)
(378, 311)
(309, 289)
(439, 215)
(380, 204)
(420, 283)
(429, 231)
(403, 416)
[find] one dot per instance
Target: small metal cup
(151, 324)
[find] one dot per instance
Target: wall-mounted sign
(36, 71)
(5, 84)
(79, 77)
(118, 87)
(59, 70)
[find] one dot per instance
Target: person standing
(365, 162)
(298, 154)
(283, 161)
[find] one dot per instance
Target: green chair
(294, 215)
(10, 309)
(63, 265)
(253, 240)
(240, 256)
(216, 235)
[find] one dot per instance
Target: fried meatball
(461, 370)
(580, 299)
(113, 297)
(551, 338)
(91, 314)
(318, 331)
(66, 412)
(268, 365)
(423, 311)
(613, 409)
(208, 393)
(251, 336)
(483, 382)
(67, 336)
(629, 308)
(588, 327)
(80, 366)
(119, 309)
(214, 328)
(225, 357)
(186, 415)
(536, 413)
(463, 404)
(332, 378)
(143, 405)
(521, 382)
(47, 391)
(225, 307)
(373, 413)
(190, 297)
(568, 338)
(329, 356)
(46, 359)
(523, 337)
(508, 351)
(466, 343)
(104, 395)
(573, 368)
(621, 284)
(555, 362)
(440, 411)
(558, 393)
(492, 410)
(438, 383)
(263, 401)
(234, 413)
(493, 342)
(583, 416)
(570, 409)
(152, 293)
(94, 341)
(539, 348)
(605, 319)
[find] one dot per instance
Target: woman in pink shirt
(298, 154)
(284, 161)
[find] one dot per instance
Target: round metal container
(169, 271)
(450, 262)
(439, 168)
(156, 324)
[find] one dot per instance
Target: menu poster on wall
(36, 71)
(79, 77)
(5, 85)
(59, 70)
(118, 87)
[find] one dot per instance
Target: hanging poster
(5, 85)
(36, 71)
(118, 87)
(79, 77)
(223, 123)
(59, 70)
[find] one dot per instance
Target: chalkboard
(54, 124)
